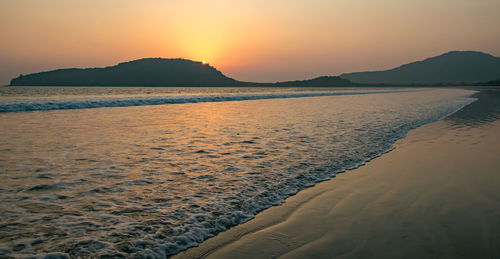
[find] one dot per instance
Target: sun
(203, 62)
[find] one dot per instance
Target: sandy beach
(436, 195)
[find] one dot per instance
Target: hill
(142, 72)
(454, 67)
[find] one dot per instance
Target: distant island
(142, 72)
(452, 68)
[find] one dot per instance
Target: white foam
(20, 105)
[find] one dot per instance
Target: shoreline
(419, 200)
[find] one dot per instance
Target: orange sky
(252, 40)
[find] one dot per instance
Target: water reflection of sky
(483, 111)
(92, 182)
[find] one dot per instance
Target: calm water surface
(153, 180)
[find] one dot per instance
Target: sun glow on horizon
(249, 40)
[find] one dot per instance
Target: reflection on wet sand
(483, 111)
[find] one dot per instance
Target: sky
(249, 40)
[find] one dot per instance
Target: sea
(117, 172)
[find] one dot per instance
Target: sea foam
(46, 104)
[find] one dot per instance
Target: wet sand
(436, 195)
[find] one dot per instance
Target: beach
(435, 196)
(249, 129)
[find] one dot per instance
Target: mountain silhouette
(452, 68)
(142, 72)
(456, 67)
(154, 72)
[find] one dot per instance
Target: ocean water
(16, 99)
(102, 172)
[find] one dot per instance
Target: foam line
(23, 105)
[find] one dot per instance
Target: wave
(25, 105)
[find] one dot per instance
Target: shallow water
(153, 180)
(22, 92)
(24, 99)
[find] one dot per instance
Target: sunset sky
(251, 40)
